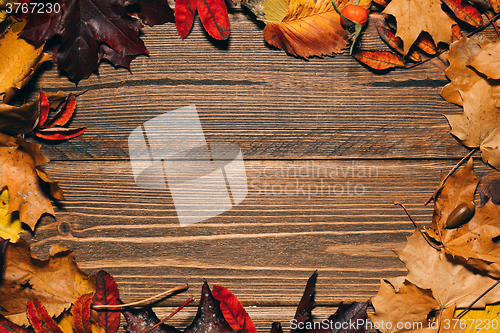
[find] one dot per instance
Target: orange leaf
(65, 114)
(495, 5)
(382, 3)
(309, 29)
(397, 44)
(233, 310)
(43, 108)
(379, 60)
(465, 12)
(81, 314)
(456, 33)
(40, 319)
(213, 15)
(60, 133)
(426, 43)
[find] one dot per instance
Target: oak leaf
(57, 281)
(233, 310)
(415, 16)
(410, 304)
(307, 28)
(479, 125)
(22, 174)
(19, 61)
(10, 226)
(487, 60)
(450, 281)
(84, 25)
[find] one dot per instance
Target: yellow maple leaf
(485, 320)
(415, 16)
(10, 225)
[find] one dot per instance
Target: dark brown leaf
(489, 187)
(307, 302)
(154, 12)
(139, 320)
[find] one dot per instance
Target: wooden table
(284, 113)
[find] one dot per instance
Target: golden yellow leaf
(308, 29)
(415, 16)
(57, 281)
(10, 225)
(485, 320)
(19, 60)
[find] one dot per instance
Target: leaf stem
(189, 300)
(426, 237)
(477, 299)
(163, 294)
(448, 175)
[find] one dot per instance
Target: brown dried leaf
(19, 61)
(57, 281)
(487, 60)
(415, 16)
(308, 29)
(489, 187)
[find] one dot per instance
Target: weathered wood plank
(272, 105)
(264, 249)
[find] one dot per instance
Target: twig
(494, 24)
(477, 299)
(449, 174)
(424, 61)
(494, 18)
(189, 300)
(426, 237)
(163, 294)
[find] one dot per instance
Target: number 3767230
(32, 7)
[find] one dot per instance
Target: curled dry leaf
(415, 16)
(22, 174)
(19, 61)
(426, 43)
(410, 304)
(379, 60)
(57, 281)
(307, 28)
(479, 125)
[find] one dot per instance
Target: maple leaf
(233, 310)
(142, 319)
(19, 61)
(154, 12)
(487, 60)
(107, 293)
(84, 25)
(410, 304)
(415, 16)
(450, 281)
(22, 174)
(213, 16)
(10, 226)
(57, 281)
(209, 318)
(489, 187)
(491, 314)
(462, 76)
(478, 126)
(307, 28)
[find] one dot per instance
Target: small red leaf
(6, 326)
(184, 16)
(213, 15)
(81, 314)
(456, 33)
(465, 12)
(379, 60)
(107, 293)
(43, 109)
(426, 43)
(60, 133)
(65, 114)
(40, 319)
(233, 310)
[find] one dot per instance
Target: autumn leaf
(233, 310)
(450, 281)
(397, 44)
(462, 76)
(81, 314)
(6, 326)
(478, 126)
(426, 43)
(480, 318)
(307, 302)
(19, 61)
(308, 28)
(22, 174)
(39, 318)
(349, 317)
(107, 294)
(415, 16)
(465, 12)
(10, 226)
(409, 305)
(489, 187)
(155, 12)
(84, 25)
(379, 60)
(142, 319)
(213, 16)
(57, 281)
(487, 60)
